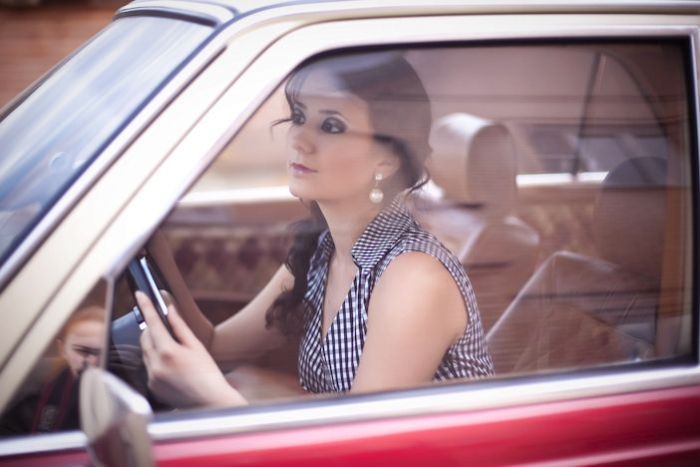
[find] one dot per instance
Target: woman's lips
(300, 169)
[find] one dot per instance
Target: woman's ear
(388, 165)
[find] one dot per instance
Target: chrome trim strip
(412, 7)
(202, 11)
(35, 444)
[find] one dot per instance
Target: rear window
(58, 130)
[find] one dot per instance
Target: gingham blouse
(329, 364)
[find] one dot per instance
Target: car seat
(474, 164)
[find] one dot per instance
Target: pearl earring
(376, 195)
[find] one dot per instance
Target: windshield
(54, 134)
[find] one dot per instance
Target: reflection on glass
(48, 400)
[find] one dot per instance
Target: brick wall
(33, 39)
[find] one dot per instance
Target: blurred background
(37, 34)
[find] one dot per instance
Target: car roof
(247, 7)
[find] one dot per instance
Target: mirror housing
(115, 420)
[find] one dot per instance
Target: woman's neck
(346, 223)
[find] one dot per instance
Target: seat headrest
(630, 215)
(473, 161)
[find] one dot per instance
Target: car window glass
(74, 126)
(48, 401)
(560, 183)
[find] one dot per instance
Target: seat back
(474, 163)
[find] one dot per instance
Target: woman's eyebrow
(331, 112)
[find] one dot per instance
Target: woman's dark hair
(400, 115)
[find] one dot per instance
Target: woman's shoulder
(415, 265)
(419, 249)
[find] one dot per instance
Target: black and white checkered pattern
(329, 365)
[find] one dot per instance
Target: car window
(68, 118)
(560, 184)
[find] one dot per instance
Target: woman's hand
(181, 373)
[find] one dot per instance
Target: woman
(368, 289)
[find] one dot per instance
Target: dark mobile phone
(142, 277)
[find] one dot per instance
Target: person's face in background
(83, 341)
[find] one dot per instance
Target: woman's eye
(298, 117)
(333, 125)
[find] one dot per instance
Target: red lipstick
(300, 169)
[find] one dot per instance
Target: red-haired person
(54, 406)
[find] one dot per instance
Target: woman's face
(333, 156)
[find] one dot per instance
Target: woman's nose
(301, 139)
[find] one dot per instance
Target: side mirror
(115, 419)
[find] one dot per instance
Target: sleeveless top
(329, 365)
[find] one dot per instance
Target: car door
(609, 410)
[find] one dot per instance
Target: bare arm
(415, 313)
(244, 335)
